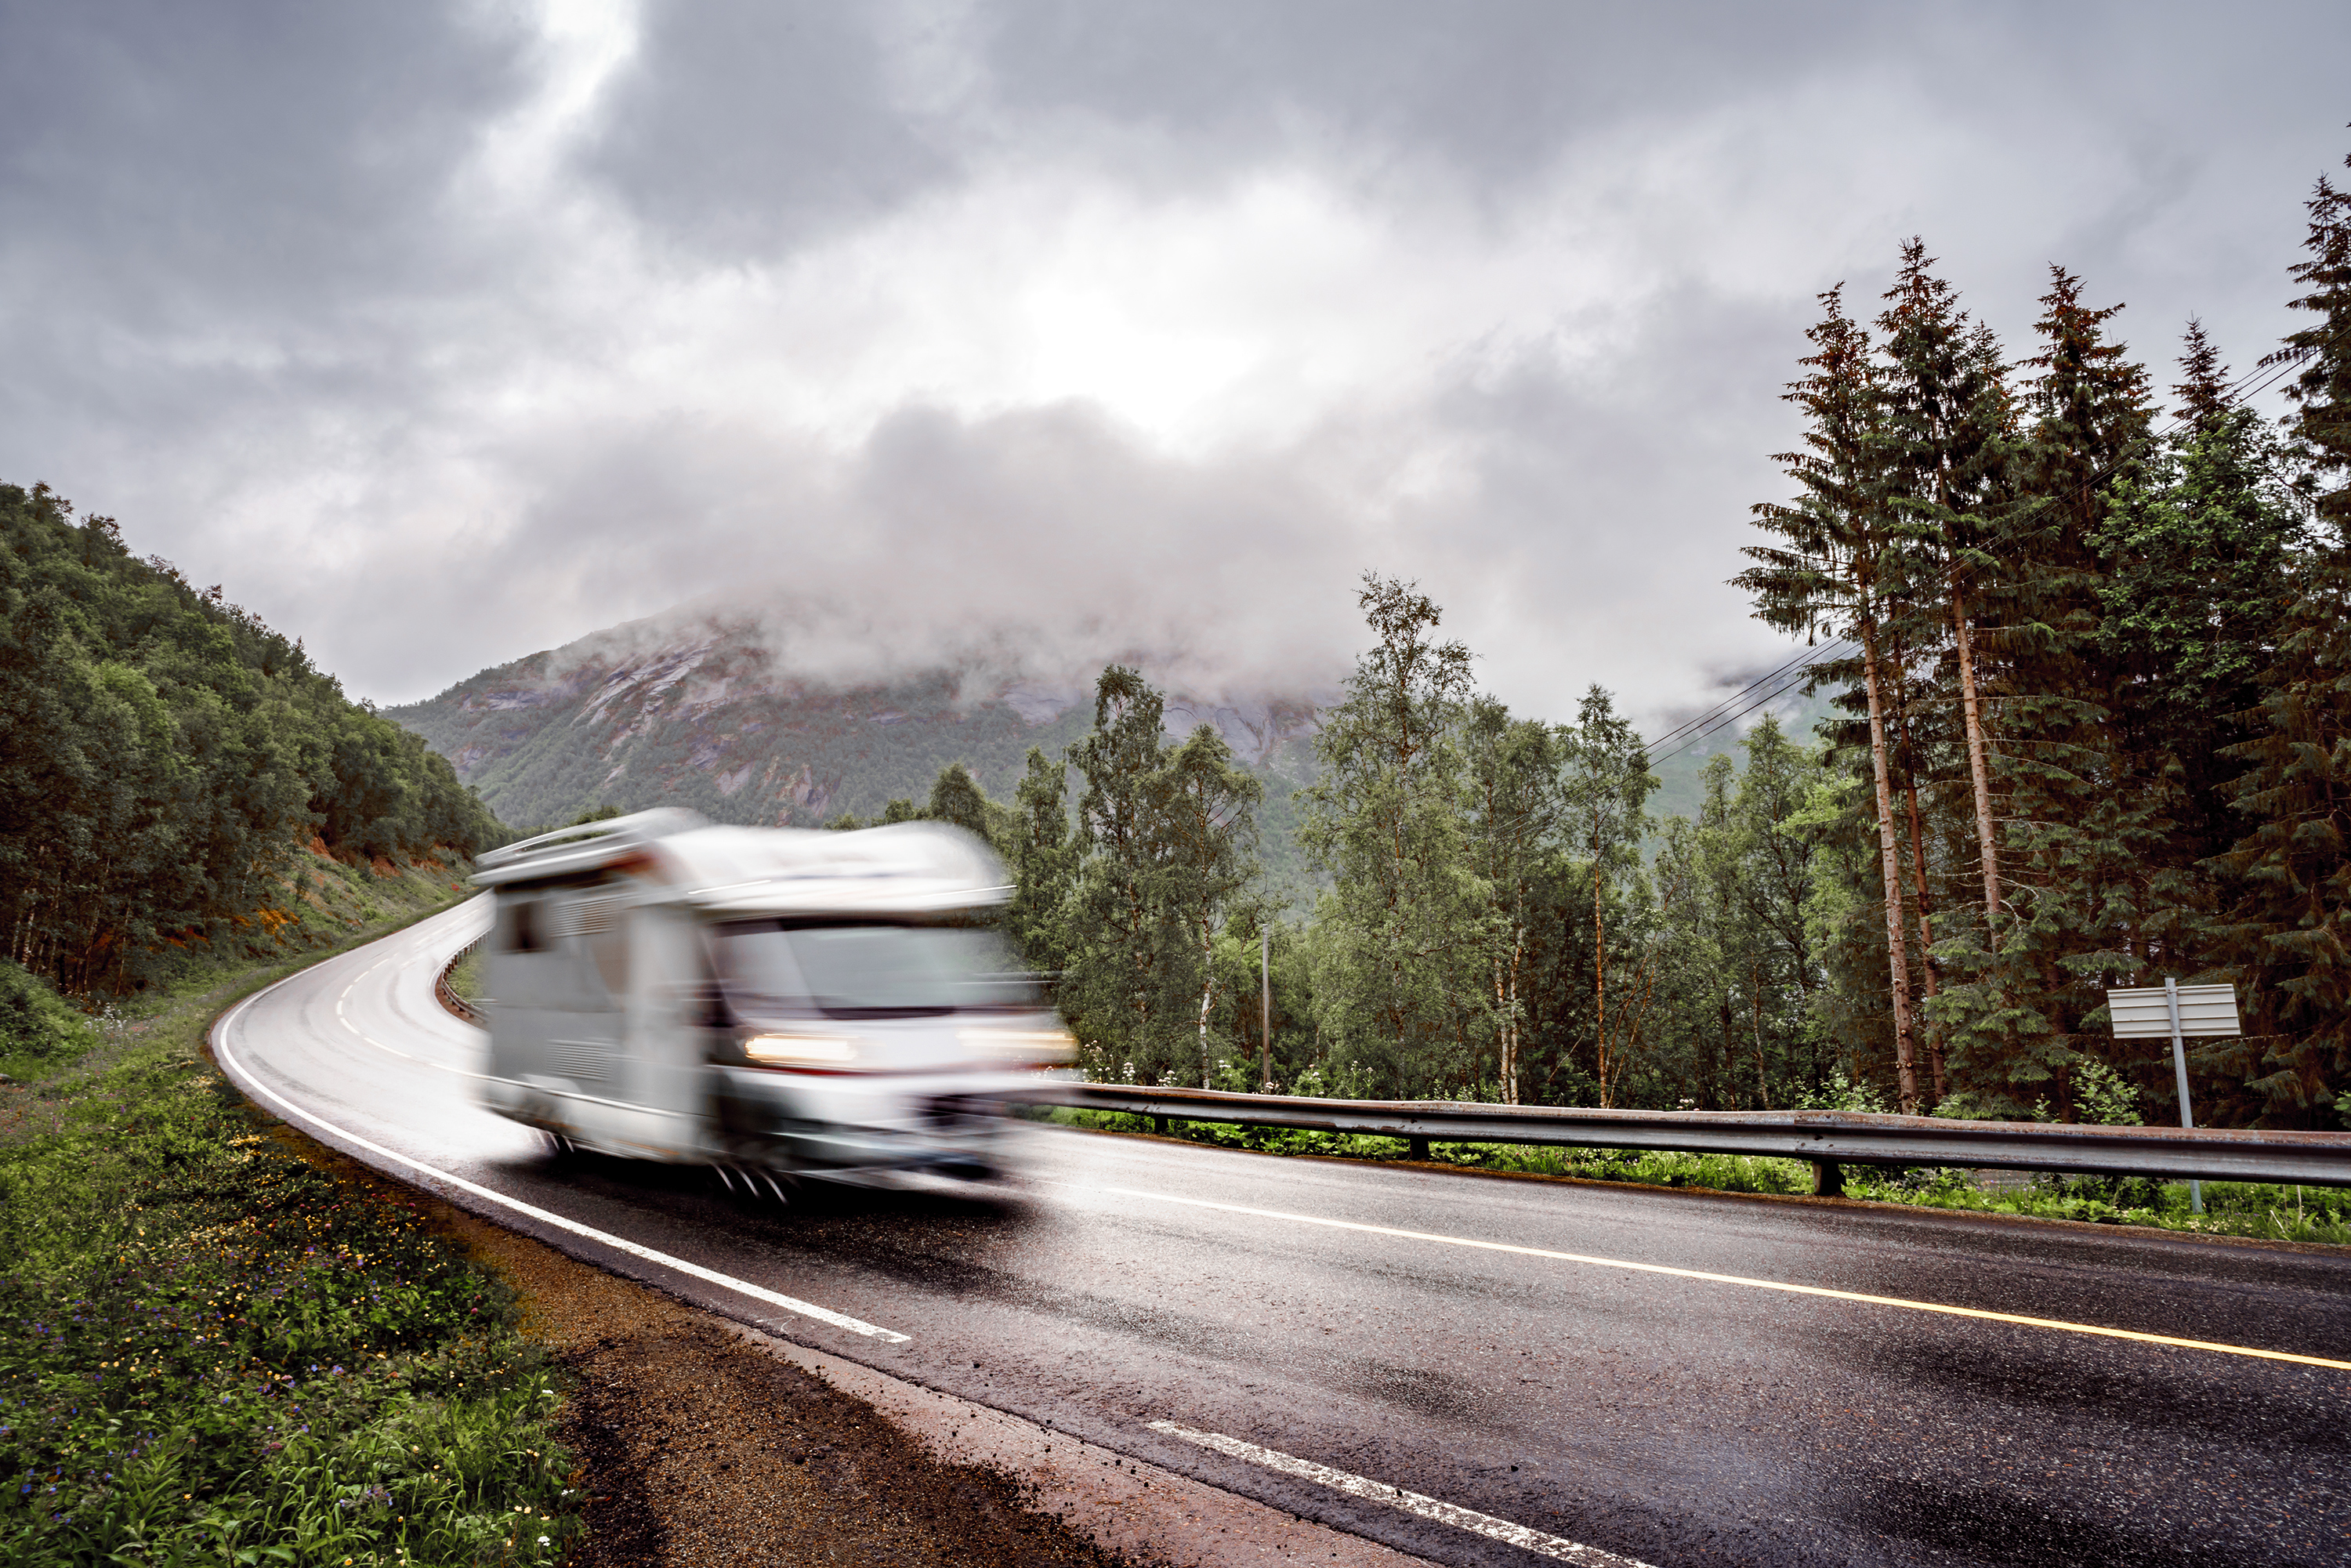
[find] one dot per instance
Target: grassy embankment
(2231, 1209)
(217, 1346)
(465, 979)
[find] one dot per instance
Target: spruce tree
(1947, 417)
(2191, 615)
(2087, 804)
(2289, 934)
(1839, 569)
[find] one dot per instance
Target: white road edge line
(1979, 1313)
(1460, 1518)
(253, 1086)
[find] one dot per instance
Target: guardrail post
(1159, 1125)
(1418, 1149)
(1828, 1179)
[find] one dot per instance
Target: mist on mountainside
(744, 717)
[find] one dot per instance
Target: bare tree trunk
(1755, 1001)
(1929, 975)
(1978, 769)
(1723, 1008)
(1265, 1009)
(1600, 971)
(1926, 975)
(1207, 989)
(1906, 1065)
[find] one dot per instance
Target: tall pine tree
(1839, 568)
(2289, 934)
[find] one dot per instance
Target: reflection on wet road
(1616, 1367)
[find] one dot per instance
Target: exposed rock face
(697, 712)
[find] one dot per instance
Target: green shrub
(212, 1350)
(37, 1025)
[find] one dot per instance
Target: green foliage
(1044, 856)
(212, 1350)
(1397, 983)
(1164, 849)
(2287, 929)
(165, 756)
(2095, 731)
(37, 1028)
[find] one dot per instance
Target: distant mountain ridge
(699, 710)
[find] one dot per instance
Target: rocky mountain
(699, 710)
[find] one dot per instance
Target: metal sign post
(2180, 1066)
(2178, 1011)
(1265, 1006)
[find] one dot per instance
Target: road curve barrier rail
(446, 994)
(1828, 1138)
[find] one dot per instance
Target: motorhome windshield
(868, 970)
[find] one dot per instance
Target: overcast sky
(439, 336)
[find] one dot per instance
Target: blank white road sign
(2203, 1011)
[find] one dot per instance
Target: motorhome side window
(525, 926)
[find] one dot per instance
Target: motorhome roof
(906, 868)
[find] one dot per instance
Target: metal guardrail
(1828, 1138)
(447, 994)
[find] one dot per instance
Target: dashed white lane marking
(368, 1039)
(1454, 1514)
(254, 1086)
(2061, 1324)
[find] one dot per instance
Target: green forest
(2086, 651)
(166, 760)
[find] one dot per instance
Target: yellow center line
(1977, 1312)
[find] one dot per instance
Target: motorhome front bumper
(813, 1124)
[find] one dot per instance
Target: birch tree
(1604, 789)
(1511, 775)
(1208, 808)
(1385, 821)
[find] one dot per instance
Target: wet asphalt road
(1666, 1418)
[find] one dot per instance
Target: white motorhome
(774, 1002)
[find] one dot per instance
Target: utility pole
(1265, 1009)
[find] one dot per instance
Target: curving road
(1472, 1369)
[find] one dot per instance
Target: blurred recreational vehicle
(774, 1002)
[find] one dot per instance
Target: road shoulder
(703, 1441)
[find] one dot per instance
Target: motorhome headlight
(1024, 1047)
(799, 1051)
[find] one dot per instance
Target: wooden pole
(1265, 1008)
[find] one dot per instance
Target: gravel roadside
(699, 1449)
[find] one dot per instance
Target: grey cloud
(1490, 86)
(247, 303)
(740, 128)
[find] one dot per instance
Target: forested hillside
(165, 757)
(2089, 657)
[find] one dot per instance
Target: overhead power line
(1809, 656)
(1757, 694)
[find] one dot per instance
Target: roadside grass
(466, 979)
(2320, 1215)
(213, 1349)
